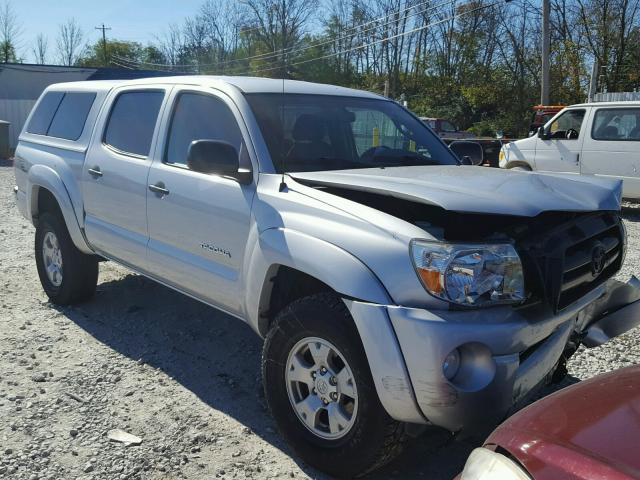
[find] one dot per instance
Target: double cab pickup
(394, 287)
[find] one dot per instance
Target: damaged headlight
(469, 274)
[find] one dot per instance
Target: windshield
(318, 132)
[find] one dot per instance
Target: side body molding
(324, 261)
(45, 177)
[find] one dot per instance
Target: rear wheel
(320, 391)
(67, 275)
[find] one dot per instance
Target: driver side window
(197, 116)
(567, 126)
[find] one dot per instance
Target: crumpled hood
(478, 189)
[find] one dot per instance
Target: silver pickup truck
(393, 286)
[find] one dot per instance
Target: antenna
(283, 184)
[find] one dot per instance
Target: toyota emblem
(598, 255)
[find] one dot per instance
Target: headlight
(469, 274)
(483, 464)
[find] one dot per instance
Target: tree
(40, 49)
(10, 31)
(280, 25)
(171, 44)
(93, 55)
(69, 42)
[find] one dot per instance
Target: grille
(574, 257)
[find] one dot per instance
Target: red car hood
(587, 431)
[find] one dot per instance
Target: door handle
(159, 188)
(95, 171)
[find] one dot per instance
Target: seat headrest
(609, 132)
(308, 128)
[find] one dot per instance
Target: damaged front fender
(615, 313)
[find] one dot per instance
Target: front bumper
(505, 353)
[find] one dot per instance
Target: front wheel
(320, 391)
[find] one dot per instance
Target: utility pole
(104, 42)
(593, 81)
(546, 41)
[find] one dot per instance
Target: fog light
(451, 364)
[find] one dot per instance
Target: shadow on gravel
(217, 357)
(631, 211)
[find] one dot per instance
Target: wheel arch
(46, 192)
(519, 163)
(286, 265)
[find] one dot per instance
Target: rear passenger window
(199, 117)
(62, 114)
(616, 124)
(132, 122)
(69, 120)
(41, 118)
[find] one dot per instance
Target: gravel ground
(181, 376)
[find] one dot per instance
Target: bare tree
(10, 31)
(608, 25)
(40, 49)
(281, 24)
(223, 22)
(69, 42)
(171, 44)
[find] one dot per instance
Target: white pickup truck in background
(601, 139)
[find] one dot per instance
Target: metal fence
(617, 97)
(15, 112)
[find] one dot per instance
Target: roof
(627, 103)
(244, 84)
(21, 81)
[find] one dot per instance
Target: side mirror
(466, 151)
(217, 157)
(542, 133)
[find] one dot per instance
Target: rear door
(612, 149)
(561, 152)
(199, 223)
(115, 174)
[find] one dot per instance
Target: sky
(138, 21)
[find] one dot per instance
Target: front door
(114, 177)
(199, 223)
(561, 151)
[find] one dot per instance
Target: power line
(444, 20)
(344, 35)
(294, 50)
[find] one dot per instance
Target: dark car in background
(446, 129)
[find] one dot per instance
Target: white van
(600, 139)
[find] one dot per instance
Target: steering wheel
(370, 153)
(571, 134)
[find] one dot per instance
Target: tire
(74, 275)
(521, 169)
(370, 438)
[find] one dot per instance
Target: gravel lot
(180, 375)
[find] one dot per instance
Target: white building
(22, 84)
